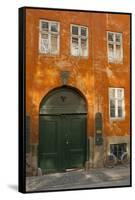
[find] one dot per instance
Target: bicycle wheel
(110, 160)
(125, 158)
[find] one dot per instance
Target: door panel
(74, 141)
(62, 142)
(48, 144)
(77, 137)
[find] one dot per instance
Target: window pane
(112, 108)
(120, 108)
(112, 93)
(84, 47)
(74, 30)
(75, 47)
(125, 147)
(118, 51)
(111, 37)
(111, 50)
(112, 113)
(83, 31)
(112, 104)
(120, 147)
(120, 150)
(112, 148)
(120, 93)
(44, 26)
(44, 43)
(44, 36)
(54, 27)
(54, 39)
(116, 150)
(117, 37)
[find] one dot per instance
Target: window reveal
(115, 53)
(116, 102)
(118, 149)
(79, 40)
(49, 37)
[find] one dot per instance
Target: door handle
(67, 142)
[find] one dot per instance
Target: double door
(62, 142)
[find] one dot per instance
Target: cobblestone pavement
(105, 177)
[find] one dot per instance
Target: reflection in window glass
(75, 30)
(118, 36)
(118, 149)
(116, 99)
(112, 93)
(112, 108)
(44, 43)
(79, 41)
(75, 46)
(84, 47)
(83, 31)
(54, 44)
(119, 93)
(54, 27)
(119, 108)
(118, 51)
(49, 37)
(45, 26)
(111, 51)
(110, 37)
(114, 47)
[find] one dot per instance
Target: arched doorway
(62, 130)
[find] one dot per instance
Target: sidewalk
(105, 177)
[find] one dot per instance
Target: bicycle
(111, 160)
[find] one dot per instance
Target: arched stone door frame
(62, 130)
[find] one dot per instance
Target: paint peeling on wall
(92, 75)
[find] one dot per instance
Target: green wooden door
(62, 142)
(48, 143)
(74, 145)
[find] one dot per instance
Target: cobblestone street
(117, 176)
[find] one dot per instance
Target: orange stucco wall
(92, 75)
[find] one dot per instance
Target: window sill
(48, 54)
(80, 57)
(117, 119)
(115, 61)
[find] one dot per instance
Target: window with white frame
(79, 40)
(49, 37)
(116, 103)
(118, 149)
(115, 51)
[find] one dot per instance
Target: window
(49, 37)
(118, 149)
(116, 103)
(79, 40)
(115, 53)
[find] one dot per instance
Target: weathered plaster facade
(92, 75)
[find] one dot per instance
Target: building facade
(77, 88)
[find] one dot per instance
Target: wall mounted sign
(98, 129)
(64, 77)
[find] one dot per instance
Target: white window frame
(116, 98)
(49, 32)
(115, 59)
(79, 40)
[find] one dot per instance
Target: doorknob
(66, 139)
(67, 142)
